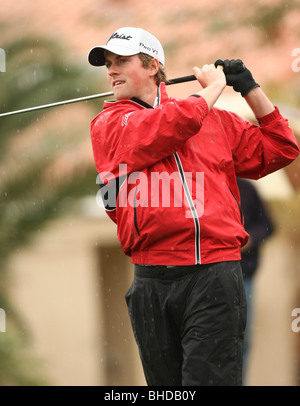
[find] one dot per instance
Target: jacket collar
(161, 95)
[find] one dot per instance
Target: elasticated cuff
(274, 115)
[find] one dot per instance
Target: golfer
(168, 169)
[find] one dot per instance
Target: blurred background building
(63, 274)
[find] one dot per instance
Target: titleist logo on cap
(120, 36)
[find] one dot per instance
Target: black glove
(237, 75)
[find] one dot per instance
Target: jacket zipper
(134, 212)
(192, 207)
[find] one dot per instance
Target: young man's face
(127, 76)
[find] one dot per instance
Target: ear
(154, 67)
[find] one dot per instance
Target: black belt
(166, 271)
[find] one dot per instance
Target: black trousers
(189, 322)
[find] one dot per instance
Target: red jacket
(168, 175)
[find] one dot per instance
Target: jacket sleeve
(261, 149)
(129, 137)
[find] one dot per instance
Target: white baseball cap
(128, 41)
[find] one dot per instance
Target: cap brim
(96, 54)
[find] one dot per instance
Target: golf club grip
(181, 79)
(189, 78)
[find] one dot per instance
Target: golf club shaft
(95, 96)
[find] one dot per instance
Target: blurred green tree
(32, 146)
